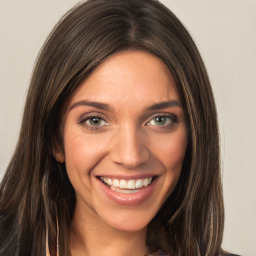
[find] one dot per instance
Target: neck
(91, 236)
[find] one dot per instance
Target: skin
(125, 141)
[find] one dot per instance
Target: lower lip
(129, 199)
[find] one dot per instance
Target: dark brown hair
(35, 190)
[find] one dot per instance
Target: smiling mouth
(127, 186)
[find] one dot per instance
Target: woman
(93, 172)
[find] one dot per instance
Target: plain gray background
(225, 32)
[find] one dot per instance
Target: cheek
(171, 156)
(171, 150)
(82, 152)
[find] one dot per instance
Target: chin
(129, 220)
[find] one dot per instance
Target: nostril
(128, 147)
(130, 158)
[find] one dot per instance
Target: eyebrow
(99, 105)
(107, 107)
(165, 104)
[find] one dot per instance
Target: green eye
(160, 120)
(95, 121)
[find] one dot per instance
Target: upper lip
(131, 177)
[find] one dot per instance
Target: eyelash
(171, 117)
(86, 118)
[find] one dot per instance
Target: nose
(128, 148)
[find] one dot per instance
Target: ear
(58, 152)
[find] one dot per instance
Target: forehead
(135, 76)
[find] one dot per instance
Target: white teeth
(131, 184)
(125, 191)
(138, 184)
(145, 182)
(115, 183)
(127, 184)
(122, 184)
(109, 181)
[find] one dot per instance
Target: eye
(162, 120)
(95, 121)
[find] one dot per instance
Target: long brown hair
(35, 191)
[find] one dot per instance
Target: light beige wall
(225, 32)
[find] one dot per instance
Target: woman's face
(124, 140)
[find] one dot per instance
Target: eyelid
(85, 117)
(92, 114)
(173, 117)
